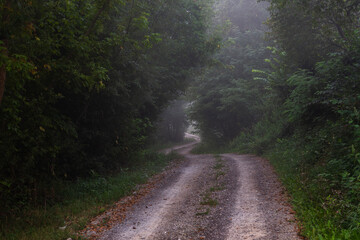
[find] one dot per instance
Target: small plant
(217, 188)
(218, 166)
(207, 200)
(219, 174)
(203, 213)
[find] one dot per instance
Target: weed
(216, 188)
(203, 213)
(219, 174)
(207, 200)
(218, 166)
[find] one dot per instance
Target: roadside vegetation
(78, 202)
(289, 90)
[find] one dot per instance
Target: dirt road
(231, 196)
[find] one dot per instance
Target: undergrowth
(326, 211)
(81, 200)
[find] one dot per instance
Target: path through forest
(211, 197)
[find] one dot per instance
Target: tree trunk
(97, 15)
(5, 19)
(3, 74)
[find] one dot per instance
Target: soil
(234, 197)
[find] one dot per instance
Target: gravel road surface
(229, 196)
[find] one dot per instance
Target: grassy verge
(81, 201)
(323, 193)
(320, 211)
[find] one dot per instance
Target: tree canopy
(83, 82)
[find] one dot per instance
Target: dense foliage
(82, 83)
(301, 108)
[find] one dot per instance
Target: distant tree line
(82, 84)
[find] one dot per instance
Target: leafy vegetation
(82, 200)
(82, 84)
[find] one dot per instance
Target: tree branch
(3, 73)
(339, 29)
(96, 18)
(130, 18)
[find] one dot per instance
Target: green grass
(218, 167)
(218, 171)
(319, 214)
(81, 201)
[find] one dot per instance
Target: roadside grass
(320, 215)
(82, 201)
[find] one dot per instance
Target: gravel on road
(230, 196)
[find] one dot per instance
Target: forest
(86, 86)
